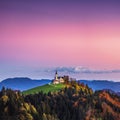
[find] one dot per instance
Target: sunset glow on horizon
(60, 33)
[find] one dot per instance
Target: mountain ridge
(102, 84)
(25, 83)
(22, 83)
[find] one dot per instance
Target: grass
(45, 88)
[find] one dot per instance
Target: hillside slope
(45, 89)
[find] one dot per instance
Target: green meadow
(45, 89)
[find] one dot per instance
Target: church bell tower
(56, 75)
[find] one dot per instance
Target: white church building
(58, 79)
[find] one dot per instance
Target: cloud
(80, 69)
(79, 73)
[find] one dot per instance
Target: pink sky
(92, 44)
(44, 34)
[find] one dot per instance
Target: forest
(75, 101)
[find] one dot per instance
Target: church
(58, 79)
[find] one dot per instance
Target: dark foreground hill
(76, 101)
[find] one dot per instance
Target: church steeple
(56, 75)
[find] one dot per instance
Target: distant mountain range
(22, 83)
(102, 84)
(27, 83)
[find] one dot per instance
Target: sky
(44, 34)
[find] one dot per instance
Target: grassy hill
(45, 88)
